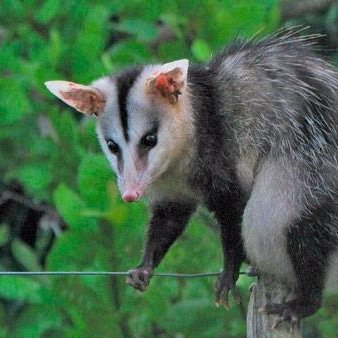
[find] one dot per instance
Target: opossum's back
(280, 97)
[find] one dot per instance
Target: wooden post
(259, 325)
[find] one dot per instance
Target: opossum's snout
(133, 192)
(133, 178)
(131, 195)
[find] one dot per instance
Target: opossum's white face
(144, 121)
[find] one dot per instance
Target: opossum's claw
(292, 311)
(226, 283)
(139, 278)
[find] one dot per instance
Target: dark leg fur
(167, 224)
(310, 243)
(228, 214)
(233, 257)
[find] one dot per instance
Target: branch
(8, 195)
(259, 325)
(49, 214)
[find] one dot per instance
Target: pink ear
(85, 99)
(170, 81)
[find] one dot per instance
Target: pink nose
(131, 195)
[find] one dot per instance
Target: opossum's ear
(170, 81)
(85, 99)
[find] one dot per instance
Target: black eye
(149, 140)
(113, 147)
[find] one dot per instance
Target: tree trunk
(259, 325)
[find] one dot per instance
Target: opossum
(251, 135)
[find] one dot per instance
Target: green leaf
(20, 288)
(89, 44)
(201, 50)
(25, 255)
(93, 178)
(35, 320)
(66, 128)
(127, 52)
(48, 11)
(70, 252)
(55, 47)
(14, 103)
(70, 205)
(190, 313)
(8, 58)
(144, 31)
(89, 136)
(35, 177)
(4, 234)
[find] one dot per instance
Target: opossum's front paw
(226, 283)
(139, 278)
(292, 311)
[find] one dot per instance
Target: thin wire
(108, 273)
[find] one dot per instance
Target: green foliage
(20, 289)
(54, 155)
(25, 256)
(4, 234)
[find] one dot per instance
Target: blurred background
(59, 205)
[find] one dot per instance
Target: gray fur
(258, 124)
(280, 100)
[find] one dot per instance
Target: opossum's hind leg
(227, 280)
(273, 206)
(310, 243)
(233, 252)
(228, 209)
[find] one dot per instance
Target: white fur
(174, 185)
(174, 135)
(331, 280)
(273, 206)
(109, 125)
(244, 170)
